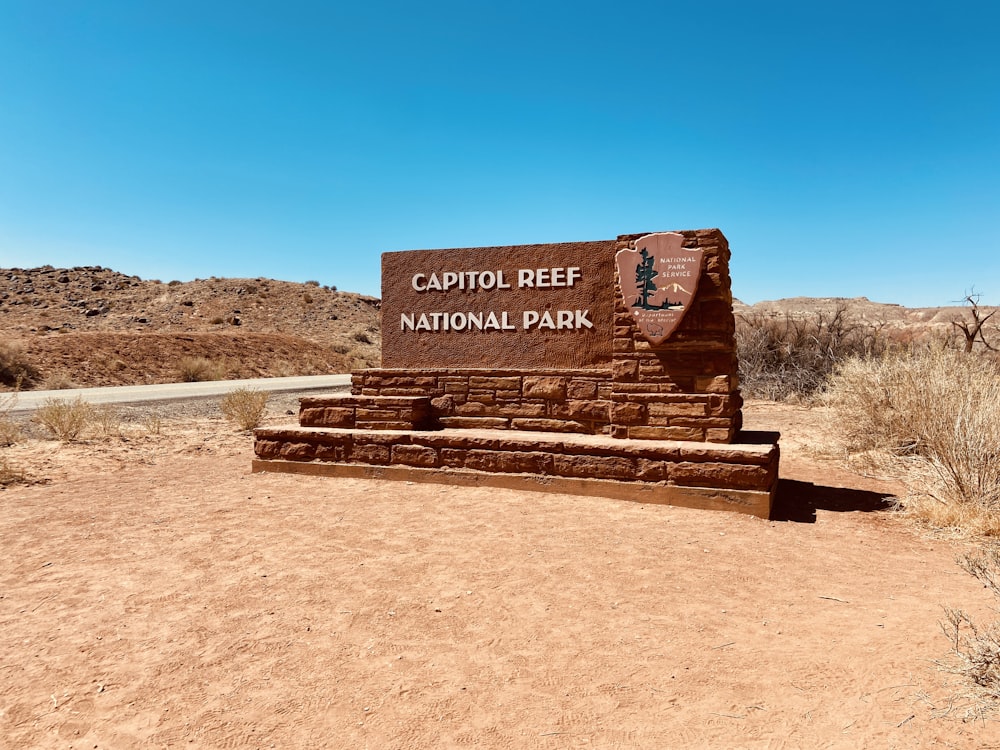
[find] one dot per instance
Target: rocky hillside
(88, 326)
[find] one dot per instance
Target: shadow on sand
(798, 501)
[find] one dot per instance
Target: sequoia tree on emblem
(658, 280)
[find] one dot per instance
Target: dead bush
(930, 417)
(245, 407)
(106, 421)
(65, 420)
(200, 369)
(58, 381)
(10, 474)
(10, 431)
(15, 369)
(975, 647)
(790, 357)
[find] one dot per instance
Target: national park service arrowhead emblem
(658, 280)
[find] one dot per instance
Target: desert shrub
(15, 369)
(975, 647)
(10, 431)
(199, 369)
(931, 417)
(312, 282)
(106, 421)
(65, 420)
(57, 381)
(217, 320)
(174, 282)
(152, 423)
(244, 407)
(10, 474)
(362, 337)
(791, 357)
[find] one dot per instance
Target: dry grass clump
(245, 407)
(783, 358)
(57, 382)
(10, 474)
(106, 421)
(932, 418)
(976, 648)
(65, 420)
(200, 369)
(10, 431)
(15, 369)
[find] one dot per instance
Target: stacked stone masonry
(686, 388)
(539, 400)
(747, 468)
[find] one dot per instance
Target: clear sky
(844, 148)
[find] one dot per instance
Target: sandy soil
(157, 594)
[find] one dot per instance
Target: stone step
(738, 476)
(367, 412)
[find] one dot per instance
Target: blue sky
(845, 149)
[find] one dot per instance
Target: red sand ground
(157, 594)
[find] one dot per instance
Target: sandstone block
(593, 467)
(625, 369)
(297, 451)
(483, 460)
(327, 417)
(544, 387)
(370, 454)
(523, 410)
(443, 405)
(665, 433)
(492, 383)
(730, 476)
(583, 389)
(385, 424)
(267, 449)
(414, 455)
(677, 409)
(453, 458)
(548, 425)
(485, 423)
(519, 462)
(652, 471)
(628, 414)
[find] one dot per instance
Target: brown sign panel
(658, 279)
(525, 306)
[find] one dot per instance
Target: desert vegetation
(924, 411)
(16, 370)
(244, 407)
(976, 647)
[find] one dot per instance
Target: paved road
(131, 394)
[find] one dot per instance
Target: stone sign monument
(598, 368)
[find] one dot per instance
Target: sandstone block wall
(539, 400)
(745, 467)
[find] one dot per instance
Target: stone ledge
(755, 503)
(751, 466)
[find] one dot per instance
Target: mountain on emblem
(658, 280)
